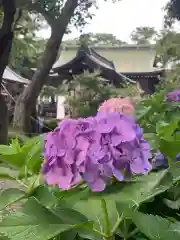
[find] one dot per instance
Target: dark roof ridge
(105, 47)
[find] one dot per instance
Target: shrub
(50, 124)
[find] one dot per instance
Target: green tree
(143, 35)
(168, 46)
(97, 39)
(26, 47)
(59, 15)
(86, 92)
(105, 39)
(172, 12)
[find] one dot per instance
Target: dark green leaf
(92, 209)
(34, 222)
(140, 190)
(45, 196)
(155, 227)
(70, 216)
(10, 196)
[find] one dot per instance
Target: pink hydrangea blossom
(123, 105)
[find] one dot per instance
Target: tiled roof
(10, 75)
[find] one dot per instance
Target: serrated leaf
(140, 190)
(34, 222)
(92, 209)
(155, 227)
(166, 129)
(10, 196)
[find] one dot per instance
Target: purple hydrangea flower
(161, 161)
(95, 150)
(121, 149)
(65, 151)
(174, 96)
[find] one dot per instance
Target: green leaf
(4, 237)
(10, 196)
(169, 148)
(34, 222)
(155, 227)
(8, 173)
(27, 155)
(70, 216)
(45, 196)
(92, 209)
(72, 196)
(174, 170)
(152, 139)
(166, 129)
(16, 160)
(68, 235)
(34, 160)
(142, 112)
(172, 204)
(32, 149)
(142, 189)
(88, 235)
(9, 150)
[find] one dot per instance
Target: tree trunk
(26, 103)
(6, 37)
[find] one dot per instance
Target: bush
(50, 124)
(88, 92)
(20, 137)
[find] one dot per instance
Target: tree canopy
(173, 11)
(143, 35)
(97, 39)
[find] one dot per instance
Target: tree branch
(66, 14)
(37, 7)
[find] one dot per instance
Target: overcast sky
(123, 17)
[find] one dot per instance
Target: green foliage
(21, 138)
(86, 92)
(51, 124)
(143, 35)
(173, 11)
(145, 207)
(168, 45)
(26, 47)
(161, 123)
(97, 39)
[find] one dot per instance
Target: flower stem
(106, 219)
(119, 220)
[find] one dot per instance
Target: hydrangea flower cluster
(95, 150)
(174, 96)
(124, 105)
(161, 161)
